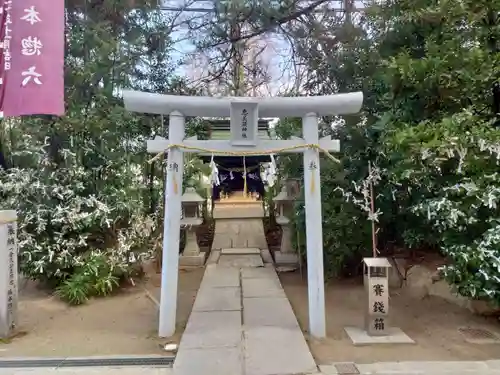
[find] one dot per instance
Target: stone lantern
(284, 204)
(293, 187)
(192, 208)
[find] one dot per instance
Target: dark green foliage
(94, 278)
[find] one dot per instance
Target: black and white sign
(244, 123)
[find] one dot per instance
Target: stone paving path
(243, 233)
(242, 324)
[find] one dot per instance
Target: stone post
(191, 248)
(8, 272)
(192, 218)
(286, 237)
(191, 256)
(376, 280)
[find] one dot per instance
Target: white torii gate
(244, 113)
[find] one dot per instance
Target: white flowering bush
(455, 171)
(70, 234)
(421, 66)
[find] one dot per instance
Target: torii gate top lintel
(204, 106)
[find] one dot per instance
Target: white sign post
(8, 272)
(244, 123)
(245, 111)
(376, 280)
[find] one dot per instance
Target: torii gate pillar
(171, 228)
(314, 229)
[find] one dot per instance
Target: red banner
(5, 39)
(35, 82)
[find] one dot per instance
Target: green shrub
(95, 277)
(79, 242)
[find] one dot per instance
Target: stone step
(239, 233)
(240, 251)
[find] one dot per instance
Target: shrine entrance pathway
(242, 322)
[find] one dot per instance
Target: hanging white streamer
(271, 172)
(244, 174)
(231, 175)
(245, 186)
(272, 168)
(214, 174)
